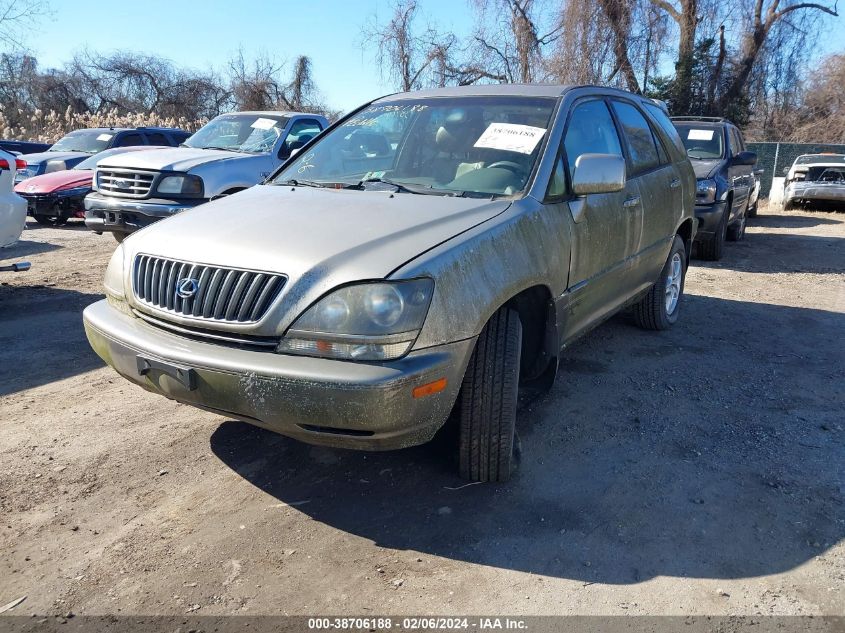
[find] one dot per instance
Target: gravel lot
(699, 471)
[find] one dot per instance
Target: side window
(300, 133)
(590, 131)
(640, 139)
(666, 125)
(157, 138)
(128, 140)
(736, 142)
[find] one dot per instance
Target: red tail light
(19, 163)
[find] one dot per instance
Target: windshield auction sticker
(511, 137)
(700, 135)
(104, 137)
(262, 123)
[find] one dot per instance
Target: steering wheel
(516, 168)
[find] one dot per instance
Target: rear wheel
(752, 210)
(488, 399)
(659, 309)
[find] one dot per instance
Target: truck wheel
(659, 309)
(119, 237)
(487, 401)
(752, 210)
(712, 249)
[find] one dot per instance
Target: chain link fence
(773, 158)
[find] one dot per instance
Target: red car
(54, 198)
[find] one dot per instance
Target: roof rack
(709, 119)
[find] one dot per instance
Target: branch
(668, 8)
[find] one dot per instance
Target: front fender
(478, 271)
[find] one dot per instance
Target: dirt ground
(698, 471)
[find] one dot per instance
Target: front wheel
(736, 231)
(487, 401)
(50, 220)
(659, 309)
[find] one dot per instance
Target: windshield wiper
(425, 190)
(304, 183)
(224, 149)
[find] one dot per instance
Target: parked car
(56, 197)
(754, 199)
(816, 180)
(76, 146)
(357, 298)
(229, 154)
(23, 147)
(725, 173)
(12, 206)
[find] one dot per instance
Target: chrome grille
(125, 182)
(222, 294)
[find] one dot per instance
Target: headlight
(705, 191)
(368, 321)
(113, 281)
(55, 165)
(186, 185)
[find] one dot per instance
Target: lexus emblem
(187, 288)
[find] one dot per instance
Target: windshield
(449, 146)
(88, 141)
(820, 158)
(701, 141)
(826, 174)
(251, 133)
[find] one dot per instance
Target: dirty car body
(343, 301)
(816, 180)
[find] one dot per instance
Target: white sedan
(12, 206)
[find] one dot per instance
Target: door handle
(675, 183)
(631, 202)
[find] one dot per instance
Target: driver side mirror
(598, 173)
(745, 158)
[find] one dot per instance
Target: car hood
(705, 168)
(172, 159)
(319, 237)
(55, 181)
(43, 157)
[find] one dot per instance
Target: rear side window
(157, 138)
(666, 125)
(640, 139)
(300, 133)
(128, 140)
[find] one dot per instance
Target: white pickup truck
(230, 153)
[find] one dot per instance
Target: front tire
(487, 401)
(736, 231)
(712, 249)
(659, 309)
(50, 220)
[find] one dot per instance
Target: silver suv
(423, 259)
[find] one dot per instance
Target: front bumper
(827, 195)
(126, 215)
(342, 404)
(709, 216)
(54, 204)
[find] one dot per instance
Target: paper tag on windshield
(700, 135)
(263, 124)
(104, 137)
(511, 137)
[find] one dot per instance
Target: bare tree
(761, 21)
(17, 17)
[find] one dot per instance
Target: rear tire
(487, 401)
(659, 309)
(752, 210)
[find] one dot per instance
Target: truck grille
(227, 295)
(125, 182)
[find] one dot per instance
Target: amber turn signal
(433, 387)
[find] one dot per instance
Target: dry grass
(49, 127)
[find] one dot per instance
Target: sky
(207, 34)
(204, 34)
